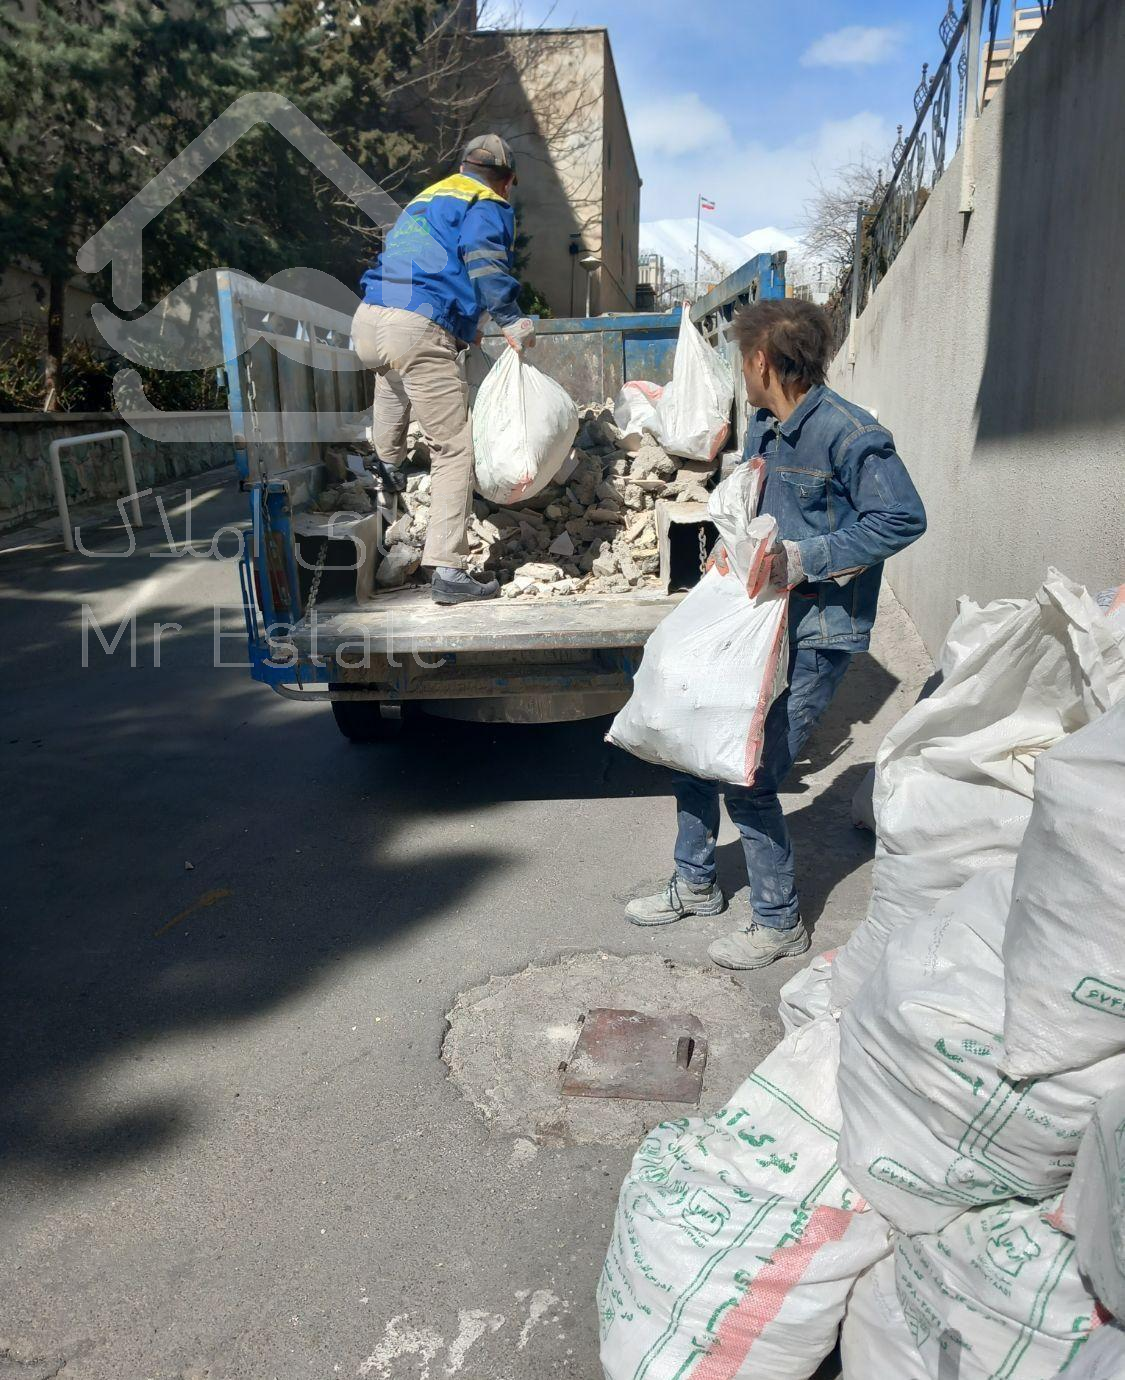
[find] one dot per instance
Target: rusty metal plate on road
(629, 1054)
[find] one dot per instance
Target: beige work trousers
(419, 370)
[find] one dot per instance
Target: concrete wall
(91, 472)
(558, 104)
(995, 351)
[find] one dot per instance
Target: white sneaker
(757, 946)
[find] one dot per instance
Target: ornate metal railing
(920, 157)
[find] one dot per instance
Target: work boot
(757, 946)
(679, 898)
(450, 586)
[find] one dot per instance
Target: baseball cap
(490, 151)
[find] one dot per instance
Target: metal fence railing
(942, 122)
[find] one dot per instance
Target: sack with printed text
(955, 776)
(1064, 947)
(693, 414)
(737, 1239)
(931, 1125)
(1102, 1357)
(996, 1294)
(524, 425)
(875, 1341)
(1094, 1205)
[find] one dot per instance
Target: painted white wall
(995, 352)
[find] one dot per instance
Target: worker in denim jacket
(843, 503)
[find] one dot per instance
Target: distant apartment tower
(578, 199)
(1026, 22)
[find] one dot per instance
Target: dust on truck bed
(526, 661)
(407, 620)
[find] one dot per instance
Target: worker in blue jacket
(447, 261)
(844, 503)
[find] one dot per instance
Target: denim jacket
(837, 489)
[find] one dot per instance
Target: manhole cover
(507, 1038)
(634, 1055)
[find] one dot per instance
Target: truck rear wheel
(370, 721)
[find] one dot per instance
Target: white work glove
(520, 335)
(786, 570)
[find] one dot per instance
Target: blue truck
(317, 626)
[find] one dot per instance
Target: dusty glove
(786, 569)
(520, 335)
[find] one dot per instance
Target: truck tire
(369, 721)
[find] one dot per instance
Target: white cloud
(678, 125)
(752, 183)
(855, 46)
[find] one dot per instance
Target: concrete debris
(344, 498)
(398, 531)
(591, 531)
(397, 566)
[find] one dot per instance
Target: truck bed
(407, 620)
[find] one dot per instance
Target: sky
(748, 101)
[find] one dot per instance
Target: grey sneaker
(450, 586)
(756, 946)
(679, 898)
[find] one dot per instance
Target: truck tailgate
(407, 620)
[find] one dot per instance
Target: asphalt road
(229, 1145)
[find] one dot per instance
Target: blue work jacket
(838, 489)
(449, 256)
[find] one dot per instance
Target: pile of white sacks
(901, 1171)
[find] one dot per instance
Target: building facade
(578, 199)
(1026, 22)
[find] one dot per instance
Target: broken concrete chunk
(398, 531)
(397, 566)
(538, 570)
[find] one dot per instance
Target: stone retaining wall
(94, 471)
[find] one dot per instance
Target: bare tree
(830, 213)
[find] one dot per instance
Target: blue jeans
(755, 810)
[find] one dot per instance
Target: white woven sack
(737, 1239)
(715, 665)
(997, 1295)
(635, 408)
(931, 1126)
(524, 425)
(875, 1341)
(955, 776)
(1102, 1357)
(694, 411)
(1064, 947)
(1094, 1206)
(807, 994)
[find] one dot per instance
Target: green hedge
(87, 380)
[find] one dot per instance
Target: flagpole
(698, 214)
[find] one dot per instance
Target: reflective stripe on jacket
(449, 257)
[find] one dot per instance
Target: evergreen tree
(95, 97)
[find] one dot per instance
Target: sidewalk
(44, 534)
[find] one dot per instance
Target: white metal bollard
(60, 488)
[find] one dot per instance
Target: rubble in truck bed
(591, 531)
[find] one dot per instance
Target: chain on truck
(319, 629)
